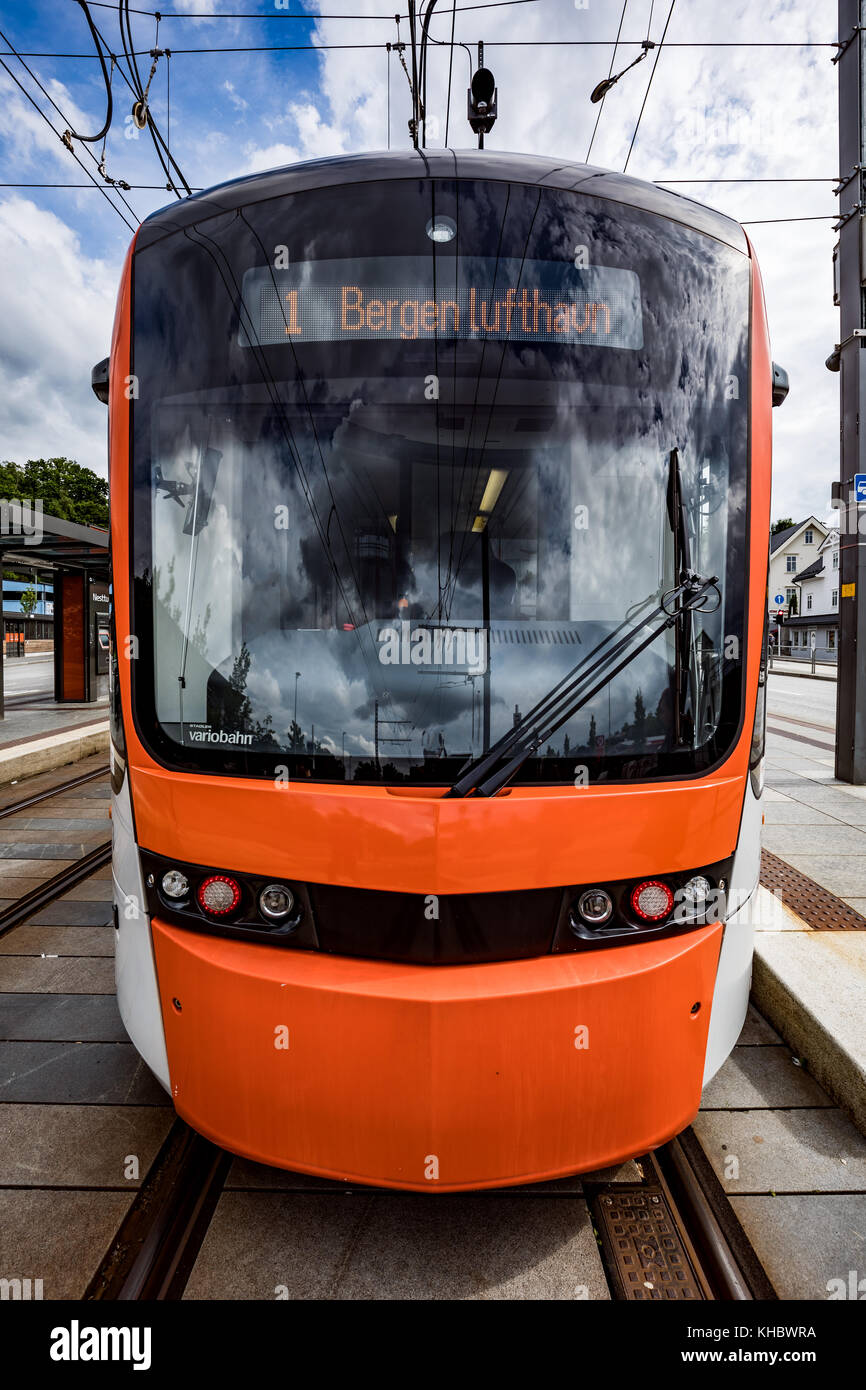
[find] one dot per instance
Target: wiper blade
(678, 518)
(487, 774)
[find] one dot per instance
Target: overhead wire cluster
(126, 63)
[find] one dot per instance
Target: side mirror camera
(99, 380)
(780, 384)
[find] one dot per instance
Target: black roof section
(781, 536)
(812, 620)
(811, 571)
(442, 164)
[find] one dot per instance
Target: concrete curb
(802, 675)
(52, 751)
(811, 987)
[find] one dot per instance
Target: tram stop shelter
(78, 558)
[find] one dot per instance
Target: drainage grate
(641, 1245)
(818, 907)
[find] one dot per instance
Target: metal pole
(851, 263)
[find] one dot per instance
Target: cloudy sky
(721, 110)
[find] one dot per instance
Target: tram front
(438, 735)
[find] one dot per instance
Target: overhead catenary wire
(489, 43)
(610, 74)
(103, 131)
(66, 137)
(649, 85)
(134, 81)
(308, 18)
(38, 108)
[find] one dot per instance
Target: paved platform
(823, 670)
(42, 737)
(812, 983)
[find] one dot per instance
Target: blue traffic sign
(779, 598)
(860, 487)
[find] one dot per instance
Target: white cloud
(237, 101)
(56, 312)
(717, 112)
(713, 112)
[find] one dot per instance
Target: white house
(791, 552)
(818, 615)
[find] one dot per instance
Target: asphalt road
(803, 698)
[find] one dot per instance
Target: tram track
(678, 1222)
(155, 1246)
(54, 887)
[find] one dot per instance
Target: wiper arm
(487, 774)
(678, 519)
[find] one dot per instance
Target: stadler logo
(209, 736)
(454, 647)
(76, 1343)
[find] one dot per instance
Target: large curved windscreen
(408, 454)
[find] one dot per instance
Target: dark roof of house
(811, 571)
(782, 536)
(812, 620)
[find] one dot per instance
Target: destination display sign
(482, 298)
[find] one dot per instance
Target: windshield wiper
(487, 774)
(678, 519)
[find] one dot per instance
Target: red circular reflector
(218, 894)
(652, 900)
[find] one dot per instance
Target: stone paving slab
(17, 790)
(79, 1145)
(398, 1246)
(60, 1018)
(12, 837)
(784, 1150)
(65, 975)
(32, 940)
(844, 875)
(835, 840)
(73, 1073)
(59, 821)
(13, 871)
(96, 889)
(27, 849)
(65, 913)
(803, 1241)
(58, 1237)
(787, 812)
(757, 1032)
(763, 1077)
(834, 803)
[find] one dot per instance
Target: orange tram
(440, 489)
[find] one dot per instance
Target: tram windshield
(402, 458)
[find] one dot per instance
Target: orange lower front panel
(436, 1078)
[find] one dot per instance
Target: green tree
(28, 601)
(64, 488)
(639, 715)
(781, 525)
(295, 735)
